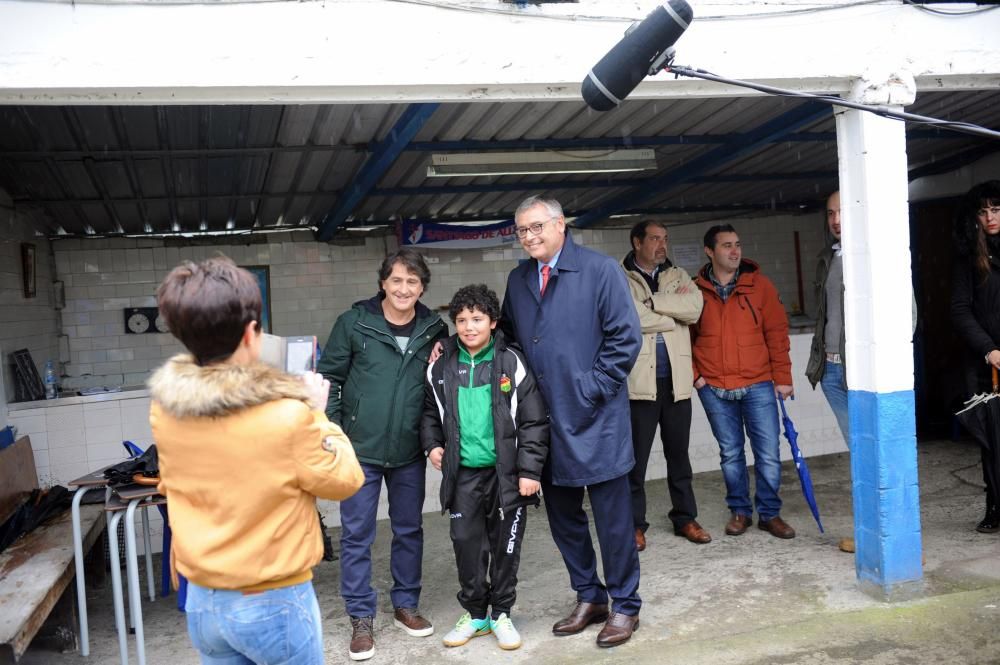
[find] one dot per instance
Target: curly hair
(475, 297)
(967, 233)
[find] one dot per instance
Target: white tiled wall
(312, 283)
(25, 323)
(71, 441)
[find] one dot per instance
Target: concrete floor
(748, 600)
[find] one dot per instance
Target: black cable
(884, 111)
(941, 12)
(800, 11)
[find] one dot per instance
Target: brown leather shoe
(362, 638)
(776, 527)
(640, 540)
(582, 616)
(409, 619)
(738, 524)
(694, 532)
(617, 630)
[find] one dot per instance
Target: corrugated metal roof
(115, 169)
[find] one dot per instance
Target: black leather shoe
(583, 615)
(990, 522)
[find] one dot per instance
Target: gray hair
(551, 205)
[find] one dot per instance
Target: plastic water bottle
(51, 389)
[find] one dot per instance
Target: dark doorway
(937, 381)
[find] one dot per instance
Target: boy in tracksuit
(485, 427)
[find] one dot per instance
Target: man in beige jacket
(659, 387)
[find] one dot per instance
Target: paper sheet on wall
(688, 256)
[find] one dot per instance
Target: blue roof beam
(773, 130)
(639, 141)
(382, 157)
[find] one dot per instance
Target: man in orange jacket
(741, 362)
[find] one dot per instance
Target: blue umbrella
(800, 464)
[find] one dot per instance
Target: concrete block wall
(312, 284)
(25, 323)
(71, 440)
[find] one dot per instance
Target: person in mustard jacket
(244, 451)
(741, 362)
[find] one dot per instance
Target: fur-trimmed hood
(187, 390)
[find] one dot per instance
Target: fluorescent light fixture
(541, 162)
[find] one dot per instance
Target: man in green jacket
(375, 360)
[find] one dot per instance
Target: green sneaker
(465, 630)
(507, 636)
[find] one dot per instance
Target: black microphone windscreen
(620, 71)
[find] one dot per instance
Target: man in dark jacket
(570, 309)
(486, 429)
(826, 356)
(375, 360)
(827, 360)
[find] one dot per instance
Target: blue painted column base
(886, 493)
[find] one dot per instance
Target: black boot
(991, 521)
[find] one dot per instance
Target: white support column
(878, 320)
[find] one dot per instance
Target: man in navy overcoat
(570, 309)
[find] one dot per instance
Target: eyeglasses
(534, 229)
(992, 211)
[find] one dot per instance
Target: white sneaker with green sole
(507, 636)
(465, 630)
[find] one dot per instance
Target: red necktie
(545, 279)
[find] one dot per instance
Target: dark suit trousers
(570, 527)
(674, 419)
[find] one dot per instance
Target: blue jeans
(836, 394)
(757, 412)
(276, 627)
(405, 485)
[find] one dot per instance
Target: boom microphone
(640, 52)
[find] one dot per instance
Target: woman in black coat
(975, 304)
